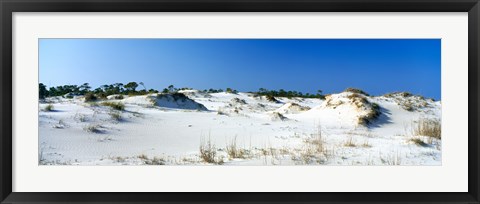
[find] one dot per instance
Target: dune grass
(114, 105)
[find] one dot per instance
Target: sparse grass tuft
(116, 106)
(154, 161)
(418, 142)
(391, 159)
(314, 149)
(355, 90)
(234, 152)
(366, 144)
(119, 159)
(93, 128)
(48, 108)
(428, 127)
(115, 115)
(143, 157)
(350, 142)
(80, 117)
(61, 124)
(208, 151)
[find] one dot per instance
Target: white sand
(156, 130)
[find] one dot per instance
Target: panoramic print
(250, 102)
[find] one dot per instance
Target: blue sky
(377, 66)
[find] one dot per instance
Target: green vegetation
(115, 106)
(355, 90)
(90, 97)
(288, 94)
(49, 107)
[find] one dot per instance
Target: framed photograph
(239, 101)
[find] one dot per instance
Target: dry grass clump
(208, 152)
(371, 116)
(418, 142)
(408, 101)
(314, 149)
(372, 109)
(391, 159)
(119, 159)
(276, 116)
(331, 103)
(143, 157)
(80, 117)
(115, 115)
(93, 128)
(355, 90)
(48, 108)
(350, 142)
(234, 152)
(238, 101)
(154, 161)
(366, 144)
(402, 94)
(428, 127)
(60, 125)
(116, 106)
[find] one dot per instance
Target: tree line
(131, 89)
(289, 94)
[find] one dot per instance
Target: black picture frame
(7, 7)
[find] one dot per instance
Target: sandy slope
(164, 130)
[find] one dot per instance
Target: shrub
(271, 98)
(90, 97)
(119, 97)
(115, 106)
(355, 90)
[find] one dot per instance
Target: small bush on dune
(101, 95)
(116, 106)
(355, 90)
(271, 98)
(49, 107)
(402, 94)
(118, 97)
(90, 97)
